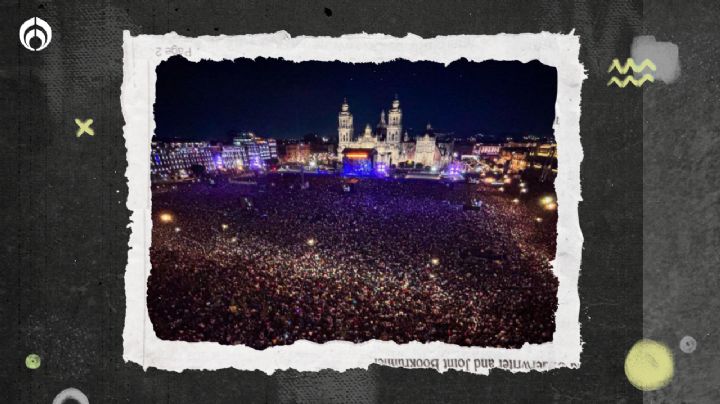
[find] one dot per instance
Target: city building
(486, 150)
(446, 151)
(514, 158)
(234, 157)
(519, 157)
(390, 147)
(322, 152)
(297, 153)
(426, 151)
(174, 160)
(243, 138)
(257, 149)
(319, 152)
(272, 148)
(545, 150)
(177, 160)
(544, 156)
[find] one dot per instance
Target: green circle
(32, 361)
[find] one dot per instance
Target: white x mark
(84, 127)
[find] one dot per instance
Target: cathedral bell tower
(394, 132)
(394, 124)
(345, 126)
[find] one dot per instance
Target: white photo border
(143, 53)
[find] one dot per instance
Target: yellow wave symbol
(630, 64)
(631, 79)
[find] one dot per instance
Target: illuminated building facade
(173, 160)
(518, 158)
(386, 139)
(272, 148)
(322, 152)
(487, 150)
(257, 149)
(544, 155)
(426, 151)
(304, 153)
(297, 153)
(545, 150)
(514, 158)
(234, 157)
(243, 138)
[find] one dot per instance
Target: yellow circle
(649, 365)
(33, 361)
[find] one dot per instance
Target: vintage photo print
(331, 203)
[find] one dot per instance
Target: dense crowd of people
(400, 260)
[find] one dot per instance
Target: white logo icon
(38, 29)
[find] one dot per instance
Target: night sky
(280, 99)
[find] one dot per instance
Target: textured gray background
(65, 222)
(681, 201)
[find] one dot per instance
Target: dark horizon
(274, 98)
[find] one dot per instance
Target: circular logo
(35, 34)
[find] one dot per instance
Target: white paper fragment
(143, 53)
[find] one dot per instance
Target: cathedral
(385, 140)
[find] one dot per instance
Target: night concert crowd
(399, 260)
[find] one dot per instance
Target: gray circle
(71, 394)
(688, 344)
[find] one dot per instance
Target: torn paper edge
(143, 53)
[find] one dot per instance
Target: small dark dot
(177, 9)
(217, 29)
(41, 6)
(35, 42)
(328, 12)
(188, 30)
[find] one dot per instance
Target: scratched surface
(66, 231)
